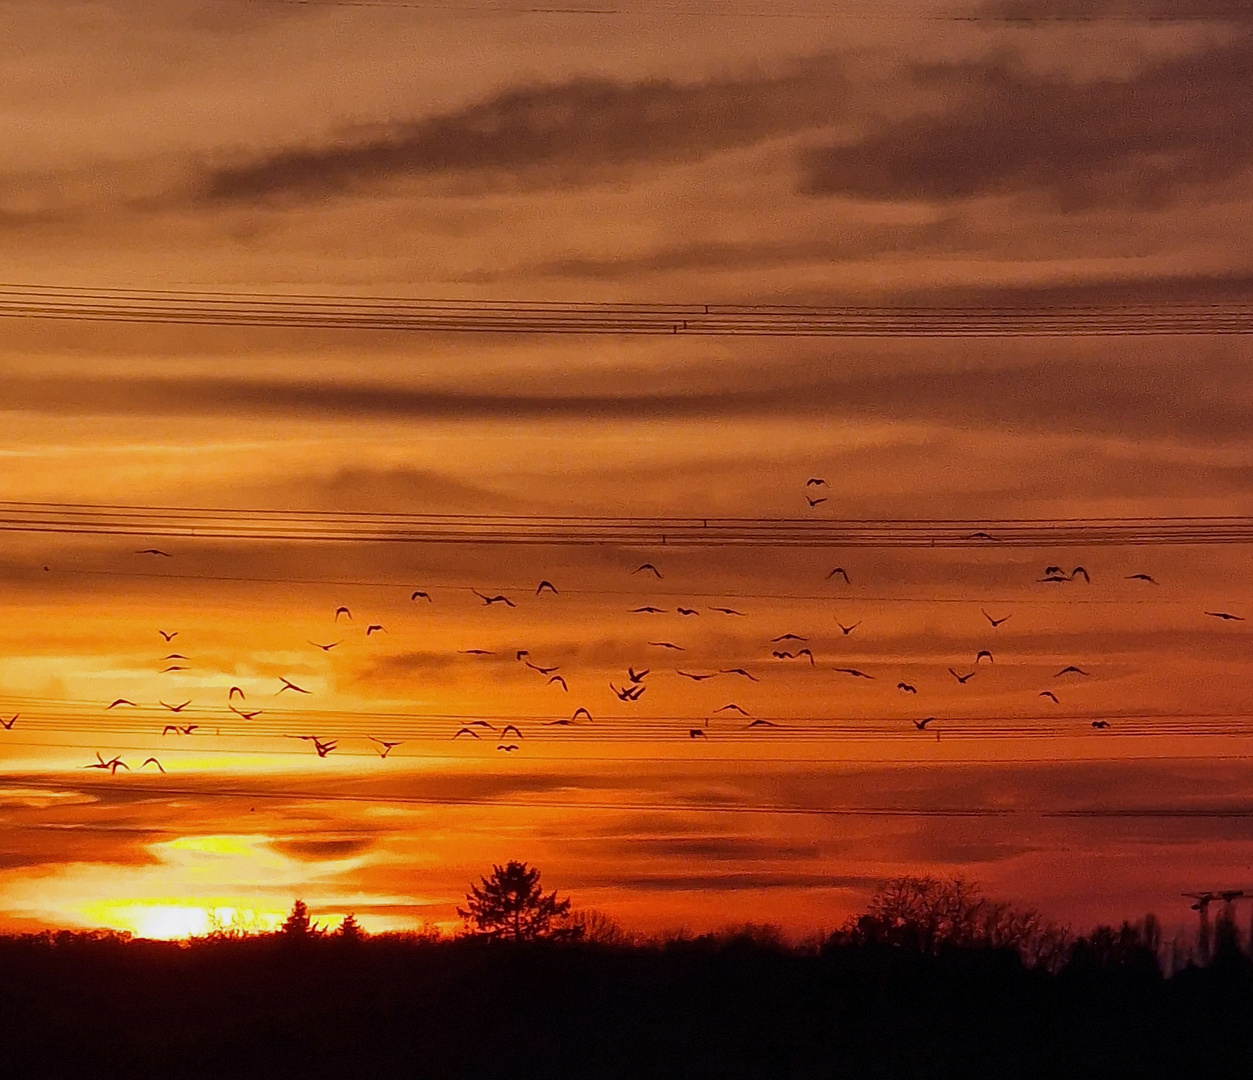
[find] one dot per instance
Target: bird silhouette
(996, 622)
(982, 536)
(542, 670)
(488, 601)
(580, 712)
(559, 679)
(627, 693)
(1050, 695)
(727, 611)
(1142, 577)
(787, 637)
(509, 748)
(732, 708)
(762, 723)
(508, 728)
(172, 667)
(687, 611)
(421, 594)
(123, 701)
(8, 724)
(342, 611)
(154, 551)
(815, 502)
(1100, 724)
(1079, 571)
(1226, 616)
(963, 679)
(696, 733)
(289, 685)
(648, 610)
(780, 654)
(842, 572)
(113, 764)
(846, 630)
(982, 653)
(233, 691)
(476, 652)
(907, 688)
(815, 481)
(325, 648)
(467, 731)
(546, 585)
(1070, 669)
(740, 671)
(323, 748)
(176, 708)
(1054, 571)
(637, 676)
(175, 656)
(856, 673)
(1054, 579)
(179, 730)
(246, 715)
(558, 723)
(387, 746)
(667, 645)
(695, 677)
(649, 567)
(805, 652)
(168, 635)
(482, 723)
(522, 654)
(921, 725)
(153, 761)
(374, 628)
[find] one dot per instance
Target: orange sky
(648, 156)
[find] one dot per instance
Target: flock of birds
(629, 690)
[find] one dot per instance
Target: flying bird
(740, 671)
(921, 725)
(467, 731)
(814, 502)
(696, 733)
(8, 724)
(1142, 577)
(541, 670)
(649, 567)
(123, 701)
(374, 628)
(476, 652)
(289, 685)
(732, 708)
(846, 630)
(323, 748)
(113, 764)
(522, 654)
(667, 645)
(982, 653)
(488, 601)
(648, 610)
(342, 611)
(1079, 571)
(1070, 669)
(637, 676)
(246, 715)
(580, 712)
(982, 536)
(1054, 579)
(854, 672)
(1054, 571)
(509, 748)
(559, 679)
(176, 708)
(779, 654)
(996, 622)
(842, 572)
(481, 723)
(1099, 724)
(907, 688)
(694, 677)
(168, 635)
(559, 723)
(687, 611)
(387, 746)
(963, 679)
(154, 551)
(815, 481)
(508, 728)
(805, 652)
(627, 693)
(546, 584)
(153, 761)
(727, 610)
(1226, 616)
(172, 667)
(420, 594)
(179, 730)
(235, 690)
(1050, 695)
(175, 656)
(325, 648)
(762, 723)
(787, 637)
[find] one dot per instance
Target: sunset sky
(1045, 152)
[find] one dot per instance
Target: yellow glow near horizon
(171, 921)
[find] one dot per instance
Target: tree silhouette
(511, 905)
(350, 929)
(297, 925)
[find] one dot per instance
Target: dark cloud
(557, 134)
(340, 847)
(1165, 133)
(730, 882)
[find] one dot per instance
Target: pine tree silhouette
(511, 905)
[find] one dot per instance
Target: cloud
(341, 847)
(557, 134)
(1167, 132)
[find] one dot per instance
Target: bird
(8, 724)
(1226, 616)
(732, 708)
(667, 645)
(727, 611)
(421, 594)
(342, 611)
(780, 654)
(235, 690)
(696, 733)
(1100, 723)
(580, 712)
(1142, 577)
(787, 637)
(154, 551)
(854, 672)
(546, 584)
(488, 601)
(175, 656)
(508, 748)
(1055, 579)
(1054, 571)
(648, 610)
(1050, 695)
(842, 572)
(374, 628)
(1070, 669)
(559, 723)
(476, 652)
(246, 715)
(740, 671)
(814, 502)
(522, 654)
(637, 676)
(907, 688)
(846, 630)
(982, 653)
(627, 693)
(153, 761)
(289, 685)
(168, 635)
(172, 667)
(687, 611)
(123, 701)
(996, 622)
(179, 730)
(805, 652)
(982, 536)
(559, 679)
(467, 731)
(963, 679)
(815, 481)
(323, 748)
(508, 728)
(176, 708)
(481, 723)
(541, 670)
(1079, 571)
(762, 723)
(694, 677)
(387, 746)
(649, 567)
(921, 725)
(325, 648)
(113, 764)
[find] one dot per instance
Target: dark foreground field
(264, 1007)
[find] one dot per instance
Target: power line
(443, 316)
(340, 527)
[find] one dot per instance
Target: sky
(910, 152)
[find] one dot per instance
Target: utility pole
(1203, 901)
